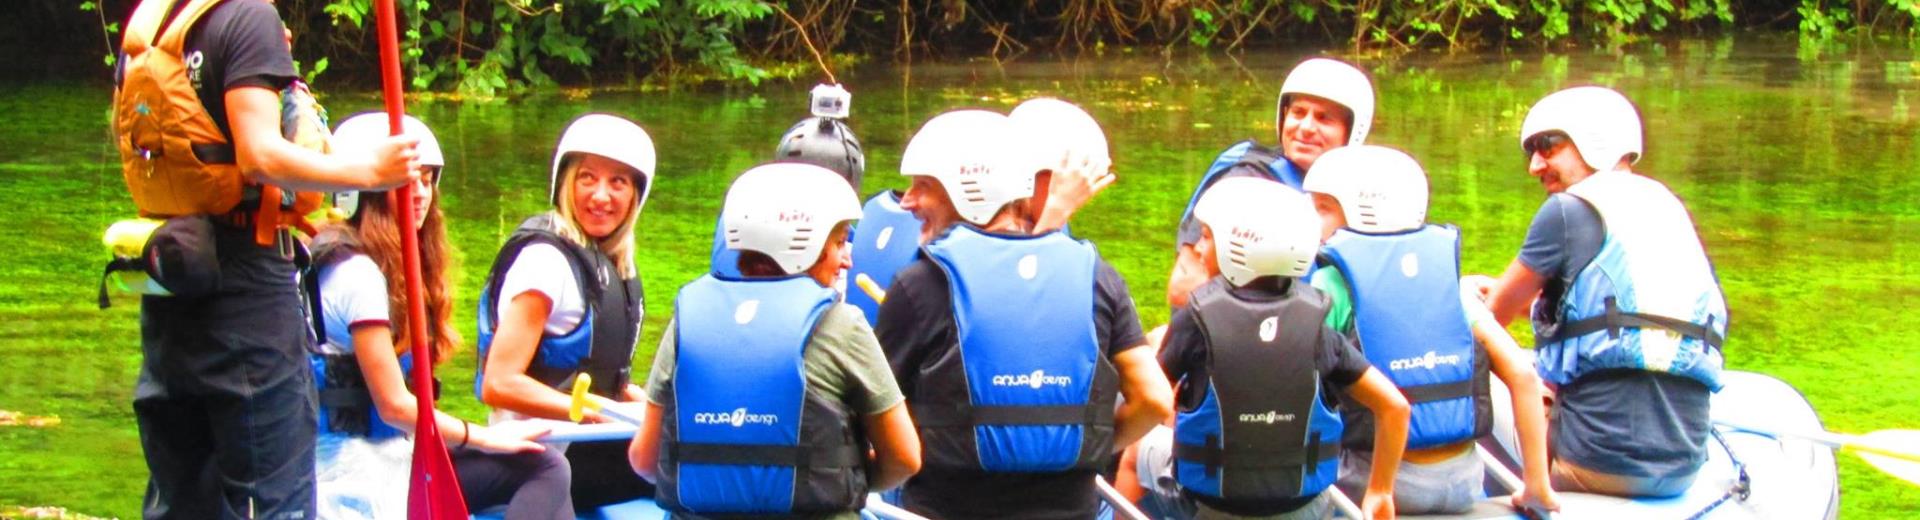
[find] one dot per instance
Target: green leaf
(88, 6)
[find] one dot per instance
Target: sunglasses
(1544, 143)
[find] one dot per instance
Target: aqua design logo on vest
(737, 418)
(1269, 417)
(1034, 380)
(1428, 362)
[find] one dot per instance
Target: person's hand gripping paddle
(433, 492)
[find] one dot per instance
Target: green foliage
(487, 48)
(107, 30)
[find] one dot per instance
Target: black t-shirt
(1626, 422)
(917, 321)
(240, 43)
(1183, 354)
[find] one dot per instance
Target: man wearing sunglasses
(1628, 315)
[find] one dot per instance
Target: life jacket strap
(1214, 457)
(962, 415)
(764, 455)
(1438, 391)
(1612, 320)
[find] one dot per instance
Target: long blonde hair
(617, 245)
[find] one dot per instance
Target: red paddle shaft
(434, 490)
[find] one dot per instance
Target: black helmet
(825, 142)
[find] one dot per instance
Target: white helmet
(1260, 228)
(1603, 124)
(1380, 189)
(608, 136)
(967, 151)
(361, 132)
(786, 211)
(1335, 81)
(1051, 128)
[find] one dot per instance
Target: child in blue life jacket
(766, 389)
(1394, 284)
(1256, 433)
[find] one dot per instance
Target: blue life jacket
(886, 240)
(346, 403)
(744, 432)
(1269, 160)
(602, 345)
(1030, 389)
(1262, 430)
(1411, 326)
(1649, 300)
(726, 262)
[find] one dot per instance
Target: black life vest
(1262, 430)
(601, 346)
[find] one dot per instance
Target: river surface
(1798, 167)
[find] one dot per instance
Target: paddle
(873, 290)
(433, 492)
(1122, 508)
(1890, 451)
(582, 400)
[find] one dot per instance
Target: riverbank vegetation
(488, 47)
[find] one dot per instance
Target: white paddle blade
(1891, 440)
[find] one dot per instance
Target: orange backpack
(174, 158)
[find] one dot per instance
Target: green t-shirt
(1329, 280)
(842, 361)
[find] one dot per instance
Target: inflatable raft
(1784, 478)
(1747, 475)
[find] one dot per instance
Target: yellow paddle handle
(581, 400)
(873, 289)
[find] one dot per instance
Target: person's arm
(507, 385)
(1514, 292)
(253, 114)
(1390, 413)
(373, 351)
(1529, 412)
(644, 452)
(1189, 272)
(1147, 399)
(896, 448)
(1069, 187)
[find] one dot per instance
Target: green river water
(1798, 168)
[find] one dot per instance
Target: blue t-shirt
(1624, 422)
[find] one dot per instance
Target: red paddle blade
(434, 492)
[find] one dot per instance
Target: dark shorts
(225, 396)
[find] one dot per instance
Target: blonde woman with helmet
(563, 298)
(1047, 369)
(1393, 281)
(366, 407)
(772, 358)
(1324, 104)
(1258, 369)
(1627, 311)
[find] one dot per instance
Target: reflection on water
(1798, 167)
